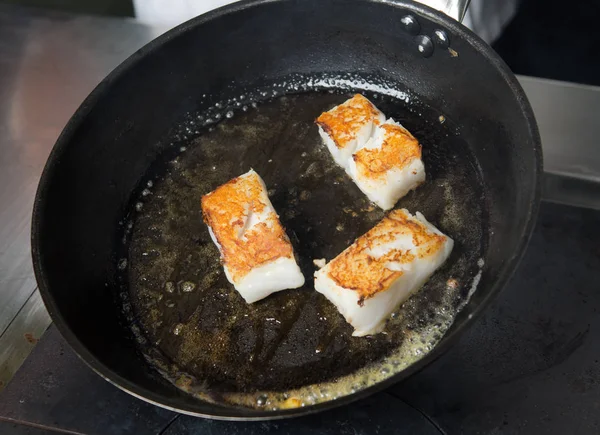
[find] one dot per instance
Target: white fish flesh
(388, 166)
(257, 256)
(382, 157)
(382, 269)
(347, 127)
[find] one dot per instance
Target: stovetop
(530, 364)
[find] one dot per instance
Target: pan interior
(292, 348)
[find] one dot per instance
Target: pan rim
(244, 414)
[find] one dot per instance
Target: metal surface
(21, 336)
(105, 410)
(567, 115)
(573, 191)
(530, 365)
(453, 8)
(49, 62)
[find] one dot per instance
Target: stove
(530, 364)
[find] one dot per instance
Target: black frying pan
(125, 264)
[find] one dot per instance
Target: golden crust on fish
(358, 269)
(398, 149)
(228, 211)
(344, 122)
(382, 269)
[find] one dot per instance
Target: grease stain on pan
(293, 348)
(334, 83)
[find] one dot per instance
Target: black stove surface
(530, 364)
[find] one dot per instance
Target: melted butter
(418, 343)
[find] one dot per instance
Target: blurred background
(543, 38)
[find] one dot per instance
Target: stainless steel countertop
(49, 62)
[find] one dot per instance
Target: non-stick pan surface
(126, 266)
(222, 346)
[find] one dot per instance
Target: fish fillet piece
(347, 127)
(388, 166)
(257, 255)
(382, 157)
(382, 268)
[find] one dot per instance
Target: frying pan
(125, 265)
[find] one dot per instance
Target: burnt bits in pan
(201, 333)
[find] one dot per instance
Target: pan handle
(453, 8)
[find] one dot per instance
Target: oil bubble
(262, 400)
(177, 329)
(188, 286)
